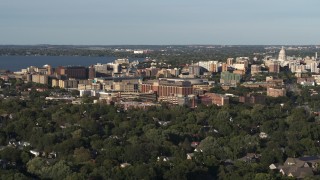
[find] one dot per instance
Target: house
(164, 158)
(35, 153)
(123, 165)
(164, 123)
(24, 143)
(298, 167)
(263, 135)
(52, 155)
(274, 166)
(250, 157)
(12, 143)
(198, 150)
(297, 172)
(194, 144)
(190, 156)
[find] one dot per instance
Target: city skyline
(160, 23)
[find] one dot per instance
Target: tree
(39, 167)
(81, 155)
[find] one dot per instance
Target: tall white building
(206, 64)
(314, 67)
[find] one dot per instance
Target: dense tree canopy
(93, 140)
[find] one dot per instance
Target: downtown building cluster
(124, 82)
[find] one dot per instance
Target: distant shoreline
(16, 63)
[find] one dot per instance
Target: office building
(224, 67)
(255, 69)
(41, 79)
(230, 61)
(229, 78)
(92, 72)
(274, 67)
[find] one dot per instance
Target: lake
(16, 63)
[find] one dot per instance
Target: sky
(161, 22)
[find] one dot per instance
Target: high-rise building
(195, 70)
(175, 72)
(116, 68)
(92, 72)
(49, 70)
(314, 67)
(60, 70)
(255, 69)
(41, 79)
(29, 77)
(78, 72)
(224, 67)
(213, 67)
(241, 62)
(274, 67)
(230, 61)
(205, 64)
(55, 82)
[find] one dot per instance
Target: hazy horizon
(160, 45)
(124, 22)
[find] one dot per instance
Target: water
(16, 63)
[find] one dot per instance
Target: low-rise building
(71, 83)
(309, 81)
(253, 99)
(213, 98)
(275, 92)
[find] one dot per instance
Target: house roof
(294, 162)
(310, 158)
(275, 166)
(302, 172)
(299, 167)
(301, 162)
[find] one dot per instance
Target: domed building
(282, 54)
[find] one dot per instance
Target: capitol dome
(282, 54)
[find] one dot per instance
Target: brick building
(252, 99)
(213, 98)
(77, 72)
